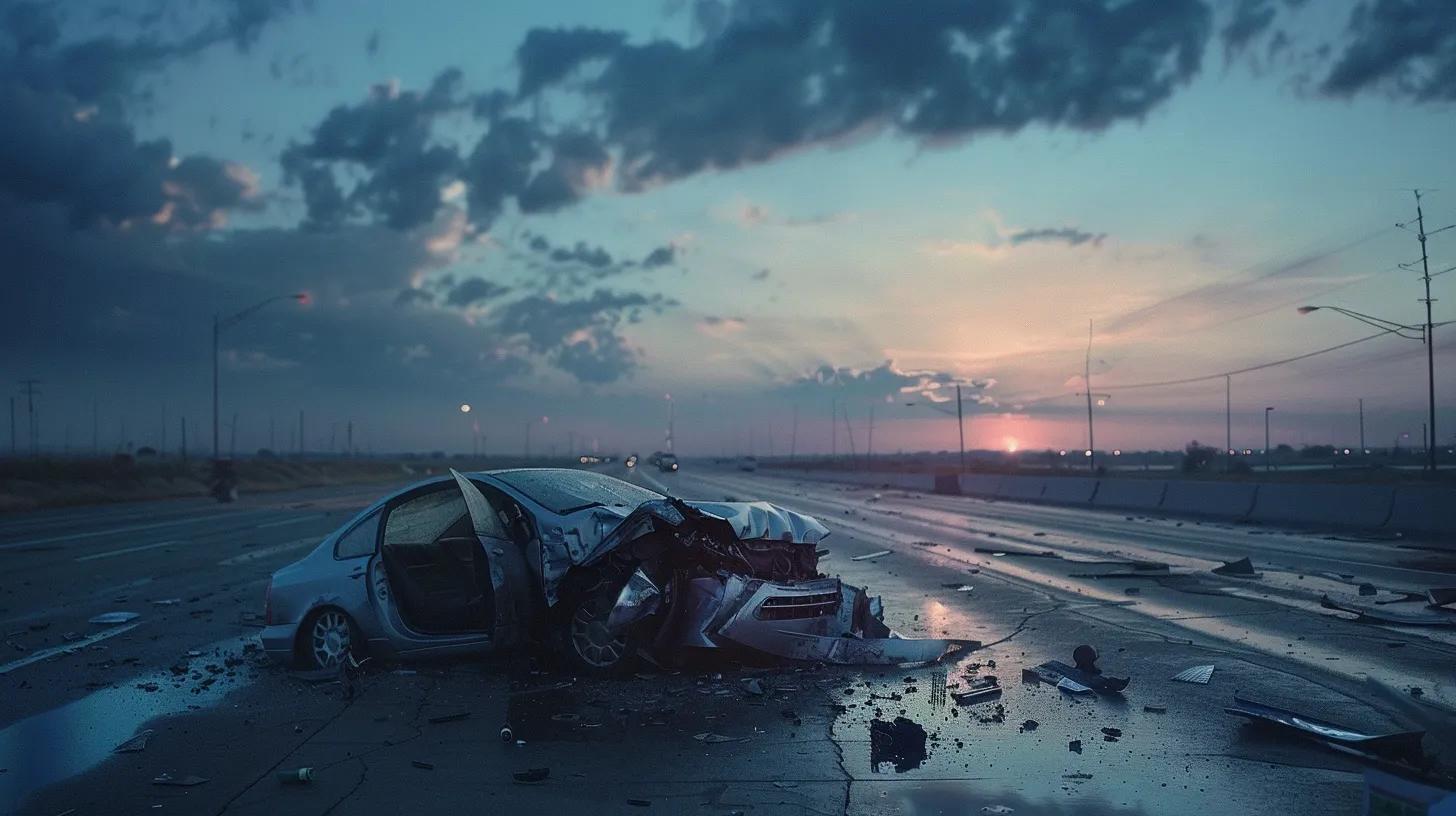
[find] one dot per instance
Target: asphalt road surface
(1018, 578)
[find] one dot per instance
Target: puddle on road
(54, 745)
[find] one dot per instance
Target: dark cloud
(578, 162)
(661, 256)
(546, 56)
(888, 383)
(1404, 47)
(580, 336)
(390, 137)
(472, 291)
(1247, 20)
(500, 166)
(1065, 235)
(593, 256)
(411, 296)
(781, 76)
(760, 275)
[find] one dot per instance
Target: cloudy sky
(563, 212)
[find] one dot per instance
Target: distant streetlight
(464, 407)
(220, 323)
(1267, 411)
(1408, 332)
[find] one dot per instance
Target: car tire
(326, 636)
(579, 635)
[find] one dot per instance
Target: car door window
(359, 541)
(424, 518)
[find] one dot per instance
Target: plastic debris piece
(1420, 616)
(1075, 746)
(1029, 725)
(422, 765)
(134, 745)
(167, 602)
(980, 695)
(109, 618)
(997, 809)
(449, 718)
(1072, 687)
(753, 686)
(1054, 671)
(178, 781)
(1195, 674)
(1441, 596)
(1242, 568)
(714, 739)
(297, 776)
(1112, 732)
(868, 556)
(1155, 709)
(531, 776)
(1398, 745)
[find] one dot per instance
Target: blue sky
(1184, 200)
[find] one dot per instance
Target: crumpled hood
(760, 520)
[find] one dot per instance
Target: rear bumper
(278, 642)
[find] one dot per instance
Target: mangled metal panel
(1401, 745)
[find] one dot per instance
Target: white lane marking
(125, 550)
(264, 552)
(66, 647)
(288, 521)
(132, 529)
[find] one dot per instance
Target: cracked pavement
(804, 746)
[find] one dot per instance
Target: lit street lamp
(1409, 332)
(220, 323)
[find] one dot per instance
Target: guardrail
(1408, 509)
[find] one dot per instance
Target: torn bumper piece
(821, 620)
(1400, 746)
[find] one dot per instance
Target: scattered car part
(1073, 687)
(169, 780)
(1195, 674)
(1384, 613)
(1397, 745)
(1242, 568)
(1441, 596)
(978, 695)
(1053, 672)
(714, 739)
(531, 776)
(1085, 657)
(297, 776)
(109, 618)
(868, 556)
(449, 718)
(134, 745)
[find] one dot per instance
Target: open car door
(510, 580)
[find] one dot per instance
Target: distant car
(630, 461)
(748, 463)
(667, 462)
(588, 564)
(655, 457)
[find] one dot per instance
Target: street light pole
(1267, 411)
(961, 427)
(1430, 341)
(1228, 422)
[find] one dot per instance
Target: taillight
(268, 604)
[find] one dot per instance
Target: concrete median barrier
(980, 484)
(1130, 494)
(1334, 505)
(1220, 499)
(1069, 490)
(1021, 488)
(1424, 509)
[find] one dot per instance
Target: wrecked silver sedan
(595, 568)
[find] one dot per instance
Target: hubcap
(593, 641)
(330, 638)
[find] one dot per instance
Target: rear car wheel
(325, 638)
(580, 631)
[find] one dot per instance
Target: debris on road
(1195, 674)
(178, 781)
(531, 776)
(167, 602)
(1075, 746)
(1387, 613)
(1242, 568)
(639, 802)
(1029, 725)
(1073, 679)
(997, 809)
(900, 743)
(868, 556)
(422, 765)
(297, 776)
(714, 739)
(449, 718)
(109, 618)
(754, 686)
(1367, 589)
(1441, 596)
(134, 745)
(1155, 709)
(1402, 746)
(1072, 687)
(983, 694)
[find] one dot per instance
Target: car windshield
(563, 490)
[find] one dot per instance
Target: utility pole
(1267, 452)
(12, 426)
(870, 443)
(350, 437)
(1362, 426)
(849, 430)
(1228, 422)
(184, 439)
(794, 435)
(961, 426)
(834, 427)
(30, 392)
(1087, 381)
(1428, 337)
(300, 433)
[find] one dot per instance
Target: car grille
(796, 607)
